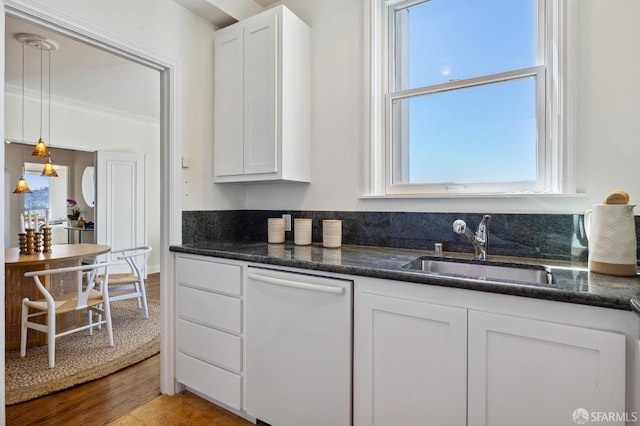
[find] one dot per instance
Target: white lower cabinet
(420, 361)
(211, 381)
(209, 333)
(526, 372)
(412, 361)
(422, 355)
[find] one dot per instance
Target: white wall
(608, 120)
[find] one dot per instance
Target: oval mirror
(89, 186)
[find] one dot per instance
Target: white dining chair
(131, 285)
(84, 297)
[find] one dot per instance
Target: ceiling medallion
(35, 41)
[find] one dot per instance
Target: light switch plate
(287, 222)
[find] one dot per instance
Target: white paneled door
(260, 95)
(120, 201)
(229, 102)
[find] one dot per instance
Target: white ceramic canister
(275, 230)
(331, 233)
(611, 232)
(302, 231)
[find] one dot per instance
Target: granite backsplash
(548, 236)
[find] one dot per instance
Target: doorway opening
(169, 205)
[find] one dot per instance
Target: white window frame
(557, 44)
(58, 189)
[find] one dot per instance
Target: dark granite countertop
(573, 283)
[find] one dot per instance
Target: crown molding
(34, 96)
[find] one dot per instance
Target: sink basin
(536, 274)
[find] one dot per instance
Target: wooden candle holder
(37, 242)
(46, 243)
(22, 243)
(31, 241)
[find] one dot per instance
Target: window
(466, 97)
(46, 193)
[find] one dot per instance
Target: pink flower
(74, 211)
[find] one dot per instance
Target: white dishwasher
(299, 343)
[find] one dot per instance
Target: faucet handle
(484, 224)
(459, 226)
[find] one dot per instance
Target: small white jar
(275, 230)
(331, 233)
(302, 231)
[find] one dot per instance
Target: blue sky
(486, 133)
(37, 181)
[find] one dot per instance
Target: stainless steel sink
(536, 274)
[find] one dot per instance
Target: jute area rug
(81, 358)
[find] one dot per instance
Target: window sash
(547, 178)
(542, 148)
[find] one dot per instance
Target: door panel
(120, 201)
(229, 100)
(261, 103)
(514, 362)
(411, 361)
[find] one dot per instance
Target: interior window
(46, 193)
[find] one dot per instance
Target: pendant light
(41, 148)
(22, 187)
(49, 169)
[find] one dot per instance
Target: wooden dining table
(17, 286)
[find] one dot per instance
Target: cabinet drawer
(210, 345)
(210, 275)
(212, 381)
(212, 309)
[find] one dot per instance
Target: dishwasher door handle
(297, 284)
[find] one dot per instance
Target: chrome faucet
(480, 239)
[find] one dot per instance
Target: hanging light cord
(49, 114)
(41, 109)
(23, 96)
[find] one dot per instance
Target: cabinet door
(410, 361)
(228, 104)
(260, 94)
(529, 372)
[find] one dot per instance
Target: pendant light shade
(49, 169)
(22, 187)
(40, 149)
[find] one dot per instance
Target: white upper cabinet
(262, 99)
(229, 102)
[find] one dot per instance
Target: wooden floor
(127, 397)
(182, 409)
